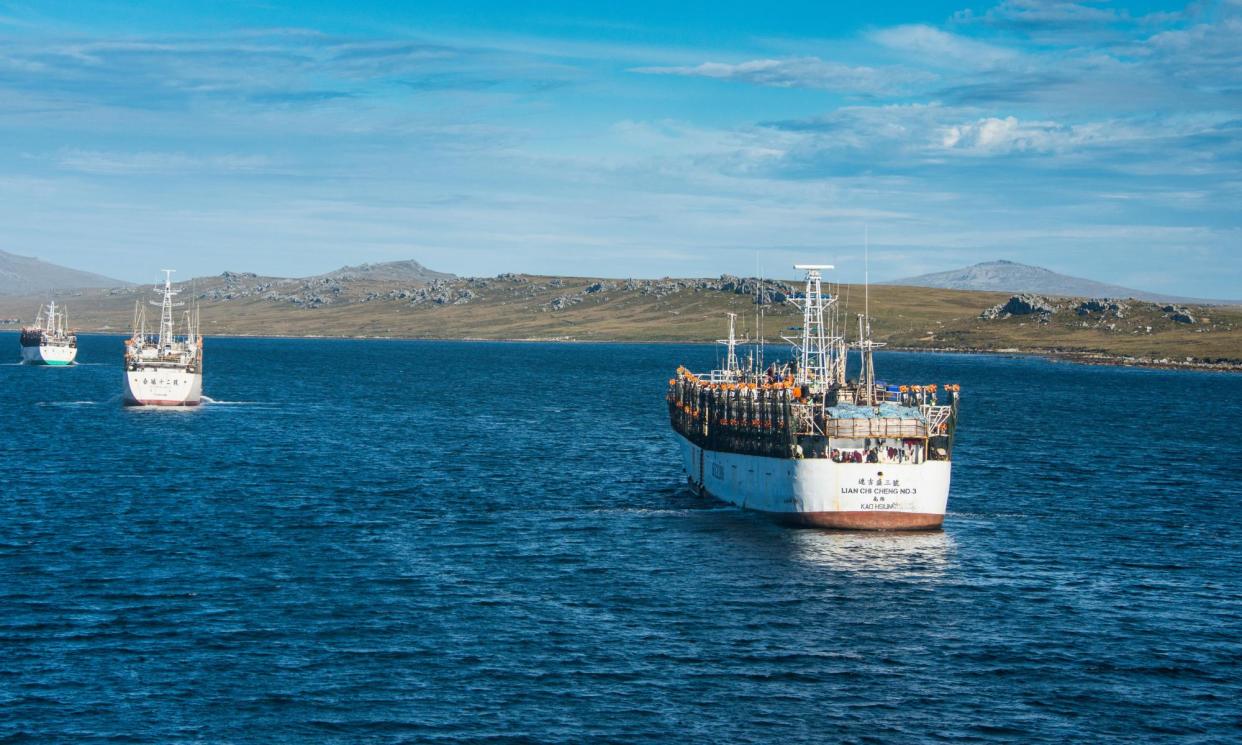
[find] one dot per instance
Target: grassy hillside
(585, 309)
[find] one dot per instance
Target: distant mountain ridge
(388, 271)
(26, 275)
(1010, 276)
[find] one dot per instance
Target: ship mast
(140, 323)
(817, 360)
(866, 374)
(167, 330)
(758, 366)
(731, 366)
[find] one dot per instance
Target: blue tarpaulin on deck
(884, 411)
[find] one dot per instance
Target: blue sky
(629, 139)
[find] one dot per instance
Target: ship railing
(886, 427)
(720, 376)
(936, 416)
(804, 419)
(175, 360)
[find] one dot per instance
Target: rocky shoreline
(1094, 358)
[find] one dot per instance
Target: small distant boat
(164, 370)
(49, 341)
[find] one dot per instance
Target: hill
(25, 275)
(520, 306)
(391, 271)
(1010, 276)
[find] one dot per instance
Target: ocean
(415, 541)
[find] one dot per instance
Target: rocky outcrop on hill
(1178, 314)
(1021, 305)
(408, 271)
(441, 292)
(767, 292)
(1102, 306)
(561, 302)
(553, 293)
(1133, 317)
(237, 285)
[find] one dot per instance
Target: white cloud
(122, 163)
(993, 135)
(1131, 145)
(1031, 14)
(802, 72)
(940, 48)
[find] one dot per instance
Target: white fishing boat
(164, 369)
(49, 341)
(799, 441)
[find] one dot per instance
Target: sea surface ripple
(403, 541)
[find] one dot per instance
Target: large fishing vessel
(49, 341)
(798, 440)
(164, 370)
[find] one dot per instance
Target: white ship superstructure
(800, 441)
(49, 341)
(165, 369)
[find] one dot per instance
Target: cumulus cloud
(994, 135)
(803, 72)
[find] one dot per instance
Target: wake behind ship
(164, 370)
(49, 341)
(800, 441)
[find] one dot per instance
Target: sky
(640, 139)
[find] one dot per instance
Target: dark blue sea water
(386, 541)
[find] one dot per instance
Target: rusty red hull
(866, 520)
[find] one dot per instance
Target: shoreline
(1099, 359)
(1060, 355)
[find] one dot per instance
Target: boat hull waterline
(167, 387)
(54, 355)
(819, 492)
